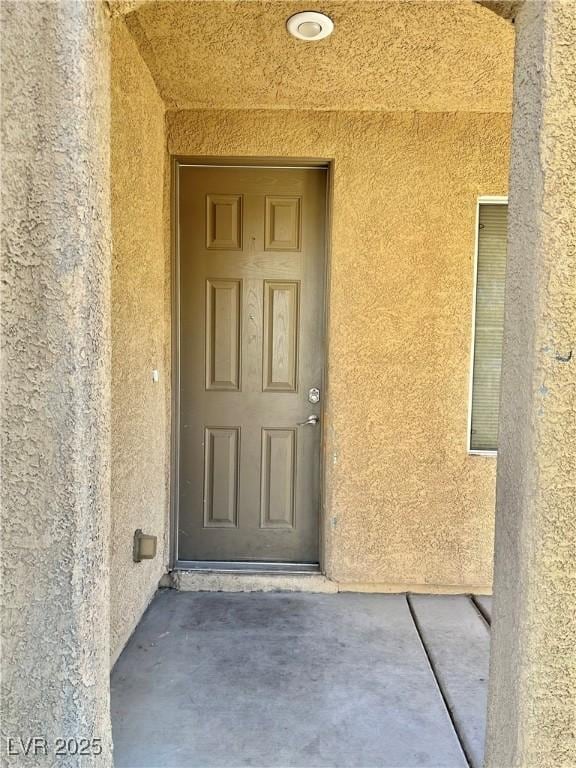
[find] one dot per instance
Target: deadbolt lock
(314, 395)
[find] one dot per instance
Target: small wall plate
(144, 546)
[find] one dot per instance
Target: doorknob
(311, 420)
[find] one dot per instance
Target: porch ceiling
(408, 55)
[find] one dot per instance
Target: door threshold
(227, 566)
(205, 580)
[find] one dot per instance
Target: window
(490, 272)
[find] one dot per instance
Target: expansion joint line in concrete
(481, 611)
(438, 682)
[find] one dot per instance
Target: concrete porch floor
(303, 681)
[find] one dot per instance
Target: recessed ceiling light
(310, 25)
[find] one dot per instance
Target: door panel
(251, 347)
(281, 310)
(278, 478)
(224, 222)
(282, 223)
(221, 448)
(223, 338)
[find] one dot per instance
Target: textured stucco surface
(404, 503)
(439, 56)
(55, 369)
(139, 334)
(507, 9)
(532, 713)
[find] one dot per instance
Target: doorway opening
(249, 299)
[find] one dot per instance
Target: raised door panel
(221, 462)
(282, 223)
(278, 478)
(224, 222)
(223, 334)
(281, 332)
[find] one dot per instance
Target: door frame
(177, 162)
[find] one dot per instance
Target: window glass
(488, 326)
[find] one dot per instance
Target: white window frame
(482, 200)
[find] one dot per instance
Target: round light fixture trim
(310, 26)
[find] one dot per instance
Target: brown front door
(252, 246)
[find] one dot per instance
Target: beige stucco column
(55, 382)
(532, 711)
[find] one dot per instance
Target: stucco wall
(139, 338)
(532, 711)
(417, 56)
(55, 373)
(405, 505)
